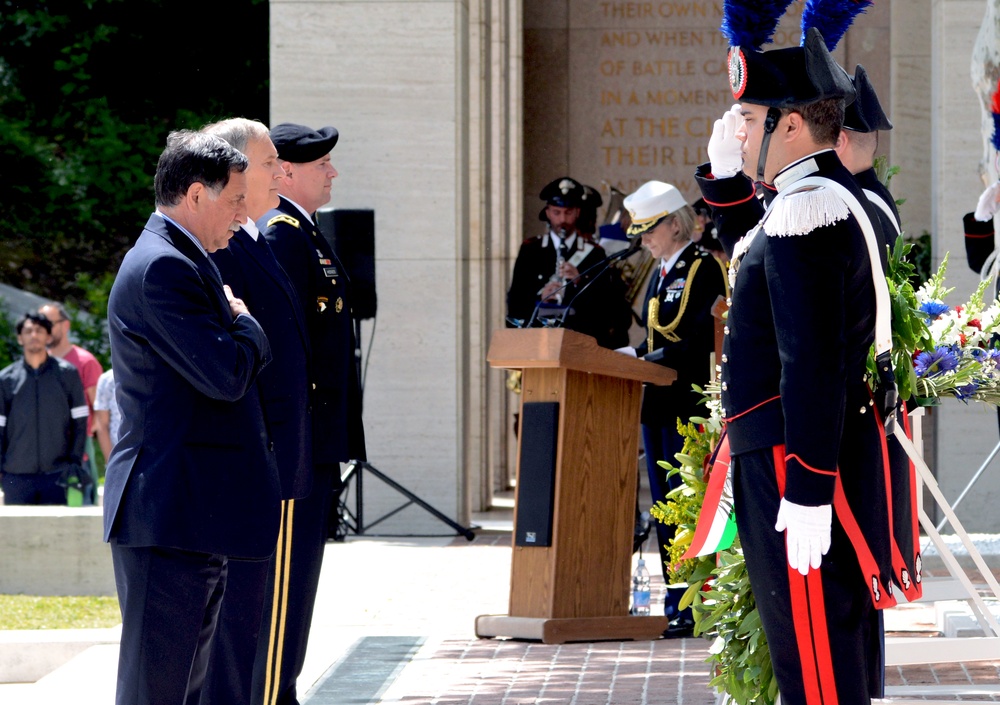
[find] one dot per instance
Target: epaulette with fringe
(801, 212)
(282, 218)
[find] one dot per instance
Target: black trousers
(230, 674)
(35, 488)
(822, 629)
(290, 595)
(170, 604)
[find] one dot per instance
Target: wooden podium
(577, 587)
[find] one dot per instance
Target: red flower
(962, 339)
(974, 323)
(958, 309)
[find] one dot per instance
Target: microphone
(606, 262)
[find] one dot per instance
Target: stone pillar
(410, 84)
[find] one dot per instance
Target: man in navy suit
(236, 669)
(191, 482)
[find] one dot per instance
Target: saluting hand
(235, 305)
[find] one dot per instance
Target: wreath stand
(905, 651)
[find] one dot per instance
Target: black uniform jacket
(192, 469)
(323, 288)
(889, 222)
(249, 268)
(797, 338)
(600, 310)
(684, 331)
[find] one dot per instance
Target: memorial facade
(454, 113)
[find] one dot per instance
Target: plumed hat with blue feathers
(798, 75)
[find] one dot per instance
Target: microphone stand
(606, 263)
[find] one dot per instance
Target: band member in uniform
(249, 268)
(677, 315)
(812, 510)
(561, 269)
(322, 286)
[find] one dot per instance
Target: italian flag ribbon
(716, 528)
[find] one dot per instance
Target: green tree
(88, 92)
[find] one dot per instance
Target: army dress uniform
(322, 285)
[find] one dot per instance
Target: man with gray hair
(238, 661)
(191, 482)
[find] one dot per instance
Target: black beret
(865, 114)
(301, 144)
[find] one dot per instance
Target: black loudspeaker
(536, 481)
(351, 234)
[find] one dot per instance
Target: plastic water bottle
(640, 590)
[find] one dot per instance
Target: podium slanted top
(519, 348)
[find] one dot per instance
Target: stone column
(409, 85)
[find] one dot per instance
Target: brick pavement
(506, 672)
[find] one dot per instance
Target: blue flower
(933, 309)
(965, 393)
(929, 364)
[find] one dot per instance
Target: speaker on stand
(351, 233)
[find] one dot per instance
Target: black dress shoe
(679, 628)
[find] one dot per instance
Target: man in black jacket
(43, 419)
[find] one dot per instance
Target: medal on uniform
(339, 305)
(321, 303)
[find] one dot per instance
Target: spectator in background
(89, 369)
(106, 417)
(42, 419)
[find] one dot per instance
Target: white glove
(987, 205)
(807, 533)
(725, 150)
(627, 350)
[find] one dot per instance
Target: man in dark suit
(191, 482)
(322, 286)
(236, 670)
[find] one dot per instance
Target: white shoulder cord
(884, 207)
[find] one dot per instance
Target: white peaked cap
(651, 203)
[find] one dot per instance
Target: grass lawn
(32, 612)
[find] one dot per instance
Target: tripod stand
(354, 521)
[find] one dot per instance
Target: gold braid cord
(653, 313)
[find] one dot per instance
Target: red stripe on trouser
(914, 543)
(881, 597)
(809, 619)
(898, 564)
